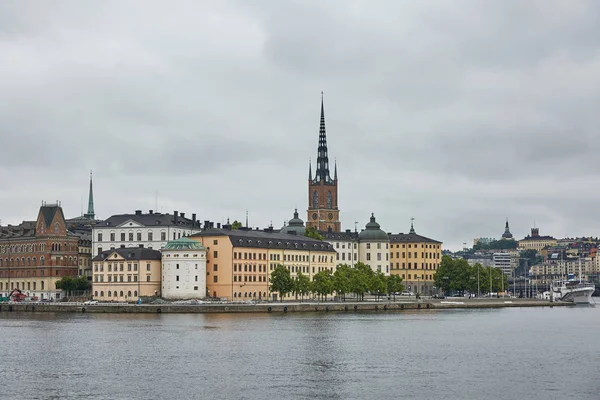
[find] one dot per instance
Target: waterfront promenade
(280, 307)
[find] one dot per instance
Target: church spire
(322, 158)
(412, 227)
(335, 171)
(507, 234)
(309, 169)
(90, 212)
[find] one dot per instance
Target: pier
(279, 307)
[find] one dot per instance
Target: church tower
(90, 213)
(323, 212)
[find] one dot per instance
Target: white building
(374, 247)
(345, 244)
(183, 269)
(504, 262)
(152, 230)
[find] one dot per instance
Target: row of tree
(458, 276)
(69, 284)
(358, 280)
(501, 244)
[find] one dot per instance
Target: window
(147, 278)
(128, 267)
(195, 287)
(112, 237)
(131, 236)
(215, 242)
(99, 236)
(368, 256)
(196, 278)
(147, 267)
(215, 254)
(150, 236)
(378, 256)
(177, 278)
(368, 245)
(215, 279)
(99, 252)
(135, 267)
(122, 236)
(176, 266)
(216, 268)
(139, 236)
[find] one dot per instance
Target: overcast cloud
(457, 113)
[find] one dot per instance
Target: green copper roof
(183, 244)
(373, 232)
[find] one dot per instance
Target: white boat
(572, 290)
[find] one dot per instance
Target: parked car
(90, 302)
(438, 296)
(407, 294)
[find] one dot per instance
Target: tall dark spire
(335, 171)
(90, 213)
(412, 227)
(309, 170)
(322, 158)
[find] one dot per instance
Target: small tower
(507, 235)
(323, 212)
(90, 213)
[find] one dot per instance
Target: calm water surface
(465, 354)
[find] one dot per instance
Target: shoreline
(278, 307)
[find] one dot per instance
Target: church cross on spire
(90, 213)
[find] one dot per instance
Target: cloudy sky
(456, 113)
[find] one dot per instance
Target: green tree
(302, 285)
(236, 225)
(67, 284)
(281, 281)
(313, 233)
(82, 284)
(342, 280)
(394, 285)
(378, 284)
(360, 279)
(323, 283)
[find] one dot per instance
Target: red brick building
(35, 254)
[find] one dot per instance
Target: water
(516, 353)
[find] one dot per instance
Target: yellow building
(239, 262)
(535, 241)
(125, 274)
(416, 259)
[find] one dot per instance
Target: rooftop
(268, 239)
(130, 253)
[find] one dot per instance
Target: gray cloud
(459, 116)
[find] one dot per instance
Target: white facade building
(152, 230)
(504, 262)
(183, 269)
(374, 247)
(345, 245)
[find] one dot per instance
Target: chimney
(348, 231)
(182, 215)
(138, 212)
(194, 220)
(218, 225)
(175, 215)
(151, 212)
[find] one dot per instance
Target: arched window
(109, 293)
(315, 199)
(234, 294)
(96, 293)
(121, 293)
(135, 293)
(329, 200)
(129, 293)
(42, 285)
(102, 293)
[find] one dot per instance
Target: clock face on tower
(330, 215)
(314, 216)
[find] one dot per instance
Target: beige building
(536, 242)
(125, 274)
(415, 258)
(239, 262)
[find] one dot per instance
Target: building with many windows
(125, 274)
(374, 247)
(415, 258)
(36, 254)
(183, 269)
(240, 261)
(535, 241)
(152, 230)
(346, 246)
